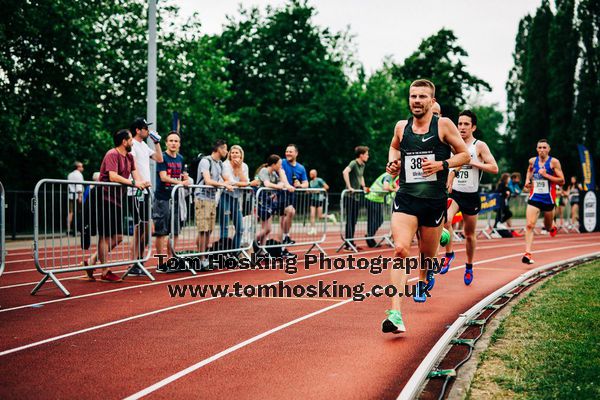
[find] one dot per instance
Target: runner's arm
(529, 174)
(559, 177)
(489, 164)
(393, 165)
(450, 136)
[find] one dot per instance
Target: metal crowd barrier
(2, 230)
(365, 219)
(97, 225)
(518, 204)
(273, 204)
(208, 221)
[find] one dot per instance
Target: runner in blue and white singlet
(543, 174)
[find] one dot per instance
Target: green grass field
(549, 347)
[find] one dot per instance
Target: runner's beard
(420, 114)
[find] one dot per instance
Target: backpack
(224, 244)
(193, 169)
(87, 218)
(275, 252)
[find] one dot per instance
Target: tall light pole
(151, 105)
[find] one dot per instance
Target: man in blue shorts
(543, 174)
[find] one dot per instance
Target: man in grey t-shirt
(210, 173)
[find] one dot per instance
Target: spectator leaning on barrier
(142, 153)
(271, 176)
(296, 176)
(514, 184)
(504, 215)
(229, 205)
(378, 198)
(169, 173)
(317, 201)
(354, 178)
(210, 173)
(75, 191)
(117, 165)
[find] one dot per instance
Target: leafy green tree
(562, 60)
(489, 122)
(440, 59)
(289, 85)
(71, 74)
(383, 102)
(587, 108)
(514, 91)
(533, 114)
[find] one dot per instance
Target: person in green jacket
(377, 198)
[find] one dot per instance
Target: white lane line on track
(326, 248)
(62, 299)
(159, 311)
(146, 314)
(494, 240)
(229, 350)
(188, 277)
(164, 382)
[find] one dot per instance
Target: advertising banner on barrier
(588, 213)
(489, 202)
(587, 168)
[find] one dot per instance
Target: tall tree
(587, 109)
(514, 90)
(562, 61)
(440, 59)
(533, 116)
(71, 74)
(383, 101)
(289, 84)
(489, 121)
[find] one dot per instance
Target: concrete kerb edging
(414, 385)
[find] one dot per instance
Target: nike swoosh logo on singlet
(426, 139)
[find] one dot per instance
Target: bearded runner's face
(420, 100)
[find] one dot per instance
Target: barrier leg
(319, 248)
(55, 280)
(143, 268)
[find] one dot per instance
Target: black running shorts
(429, 212)
(468, 203)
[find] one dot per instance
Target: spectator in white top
(75, 191)
(210, 173)
(142, 153)
(229, 205)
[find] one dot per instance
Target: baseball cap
(139, 123)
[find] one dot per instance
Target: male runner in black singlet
(420, 152)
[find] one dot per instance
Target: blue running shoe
(430, 280)
(447, 260)
(468, 276)
(420, 296)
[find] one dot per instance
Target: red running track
(133, 339)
